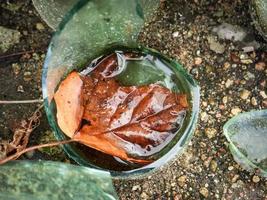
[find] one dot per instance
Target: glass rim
(173, 152)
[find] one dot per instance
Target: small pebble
(254, 101)
(256, 179)
(181, 180)
(144, 196)
(263, 83)
(263, 94)
(16, 68)
(243, 82)
(234, 66)
(225, 99)
(136, 187)
(234, 179)
(25, 32)
(210, 132)
(213, 165)
(235, 58)
(204, 117)
(20, 89)
(247, 61)
(204, 103)
(204, 192)
(244, 94)
(260, 66)
(228, 83)
(249, 76)
(175, 34)
(236, 111)
(226, 65)
(173, 184)
(248, 49)
(40, 26)
(198, 61)
(27, 76)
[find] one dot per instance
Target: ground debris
(21, 135)
(8, 37)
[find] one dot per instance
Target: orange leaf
(127, 122)
(69, 103)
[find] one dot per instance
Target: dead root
(21, 135)
(19, 153)
(18, 146)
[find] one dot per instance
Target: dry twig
(16, 54)
(22, 101)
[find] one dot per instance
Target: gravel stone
(27, 76)
(256, 179)
(182, 180)
(254, 101)
(263, 94)
(204, 116)
(136, 187)
(228, 83)
(236, 111)
(249, 76)
(204, 192)
(260, 66)
(40, 26)
(144, 196)
(213, 165)
(244, 94)
(198, 61)
(175, 34)
(210, 132)
(16, 68)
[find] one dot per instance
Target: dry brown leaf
(127, 122)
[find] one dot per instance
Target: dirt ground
(232, 76)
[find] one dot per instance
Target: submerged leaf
(247, 134)
(69, 102)
(130, 122)
(46, 180)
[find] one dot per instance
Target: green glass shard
(247, 134)
(44, 180)
(53, 11)
(259, 15)
(90, 28)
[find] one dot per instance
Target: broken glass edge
(238, 156)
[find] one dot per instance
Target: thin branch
(16, 54)
(18, 154)
(22, 101)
